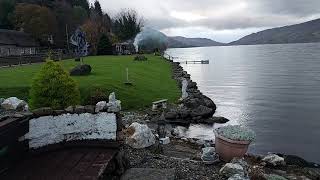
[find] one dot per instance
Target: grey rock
(297, 161)
(139, 136)
(209, 156)
(90, 109)
(238, 177)
(45, 111)
(13, 103)
(79, 109)
(202, 111)
(184, 89)
(148, 174)
(242, 163)
(216, 119)
(192, 85)
(274, 177)
(209, 103)
(1, 101)
(58, 112)
(171, 114)
(230, 169)
(274, 160)
(200, 142)
(191, 102)
(184, 113)
(101, 106)
(81, 70)
(113, 105)
(313, 173)
(70, 109)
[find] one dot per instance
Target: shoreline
(295, 166)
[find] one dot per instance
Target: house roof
(17, 38)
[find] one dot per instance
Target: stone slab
(48, 130)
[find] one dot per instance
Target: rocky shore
(182, 157)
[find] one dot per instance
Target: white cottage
(15, 43)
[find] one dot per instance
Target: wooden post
(127, 74)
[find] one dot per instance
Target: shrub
(53, 87)
(104, 46)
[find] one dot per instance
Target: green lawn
(151, 79)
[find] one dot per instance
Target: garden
(151, 80)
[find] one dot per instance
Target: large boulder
(274, 160)
(139, 136)
(81, 70)
(202, 111)
(14, 103)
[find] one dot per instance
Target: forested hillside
(51, 21)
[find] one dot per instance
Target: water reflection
(273, 89)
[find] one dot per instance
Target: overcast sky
(220, 20)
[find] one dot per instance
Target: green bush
(53, 87)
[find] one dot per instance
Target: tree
(6, 10)
(91, 28)
(127, 24)
(53, 87)
(82, 3)
(79, 15)
(36, 20)
(104, 46)
(97, 8)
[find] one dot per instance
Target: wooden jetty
(196, 62)
(171, 58)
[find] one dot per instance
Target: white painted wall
(54, 129)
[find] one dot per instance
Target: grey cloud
(257, 13)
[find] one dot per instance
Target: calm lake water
(272, 89)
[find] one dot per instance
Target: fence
(33, 58)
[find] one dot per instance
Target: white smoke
(149, 39)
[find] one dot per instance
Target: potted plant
(232, 141)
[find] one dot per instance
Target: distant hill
(300, 33)
(183, 42)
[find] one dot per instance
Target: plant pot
(229, 149)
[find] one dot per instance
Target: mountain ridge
(184, 42)
(306, 32)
